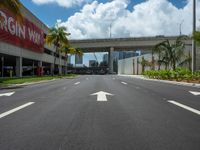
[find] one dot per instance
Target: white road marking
(185, 107)
(86, 78)
(77, 83)
(101, 95)
(124, 83)
(194, 93)
(113, 78)
(7, 94)
(15, 109)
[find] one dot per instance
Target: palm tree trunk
(54, 63)
(59, 65)
(189, 62)
(165, 66)
(66, 59)
(158, 61)
(152, 60)
(174, 65)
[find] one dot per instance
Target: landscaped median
(7, 82)
(174, 75)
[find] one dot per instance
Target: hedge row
(178, 74)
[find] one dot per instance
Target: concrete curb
(163, 81)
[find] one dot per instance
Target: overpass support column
(110, 54)
(19, 66)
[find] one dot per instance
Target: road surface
(77, 114)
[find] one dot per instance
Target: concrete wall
(198, 57)
(132, 66)
(125, 66)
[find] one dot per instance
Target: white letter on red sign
(3, 21)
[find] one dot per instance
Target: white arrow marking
(101, 95)
(15, 109)
(124, 83)
(194, 93)
(7, 94)
(77, 83)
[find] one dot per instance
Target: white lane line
(7, 94)
(77, 83)
(15, 109)
(195, 93)
(124, 83)
(185, 107)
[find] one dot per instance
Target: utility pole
(193, 41)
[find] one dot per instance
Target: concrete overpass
(144, 44)
(104, 45)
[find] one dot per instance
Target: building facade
(23, 51)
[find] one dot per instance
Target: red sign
(25, 34)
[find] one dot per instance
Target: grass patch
(11, 81)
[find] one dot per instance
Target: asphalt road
(63, 115)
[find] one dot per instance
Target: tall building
(105, 58)
(78, 59)
(127, 54)
(92, 63)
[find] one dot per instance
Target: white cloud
(150, 18)
(63, 3)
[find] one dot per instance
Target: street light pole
(180, 27)
(193, 41)
(110, 30)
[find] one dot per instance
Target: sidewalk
(163, 81)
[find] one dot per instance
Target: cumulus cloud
(149, 18)
(63, 3)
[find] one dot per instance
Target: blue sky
(49, 13)
(128, 18)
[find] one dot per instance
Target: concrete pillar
(52, 69)
(39, 63)
(60, 66)
(110, 56)
(19, 66)
(2, 66)
(33, 66)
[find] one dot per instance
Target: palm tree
(144, 63)
(187, 61)
(196, 36)
(158, 50)
(14, 6)
(66, 49)
(170, 53)
(57, 36)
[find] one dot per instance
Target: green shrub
(178, 74)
